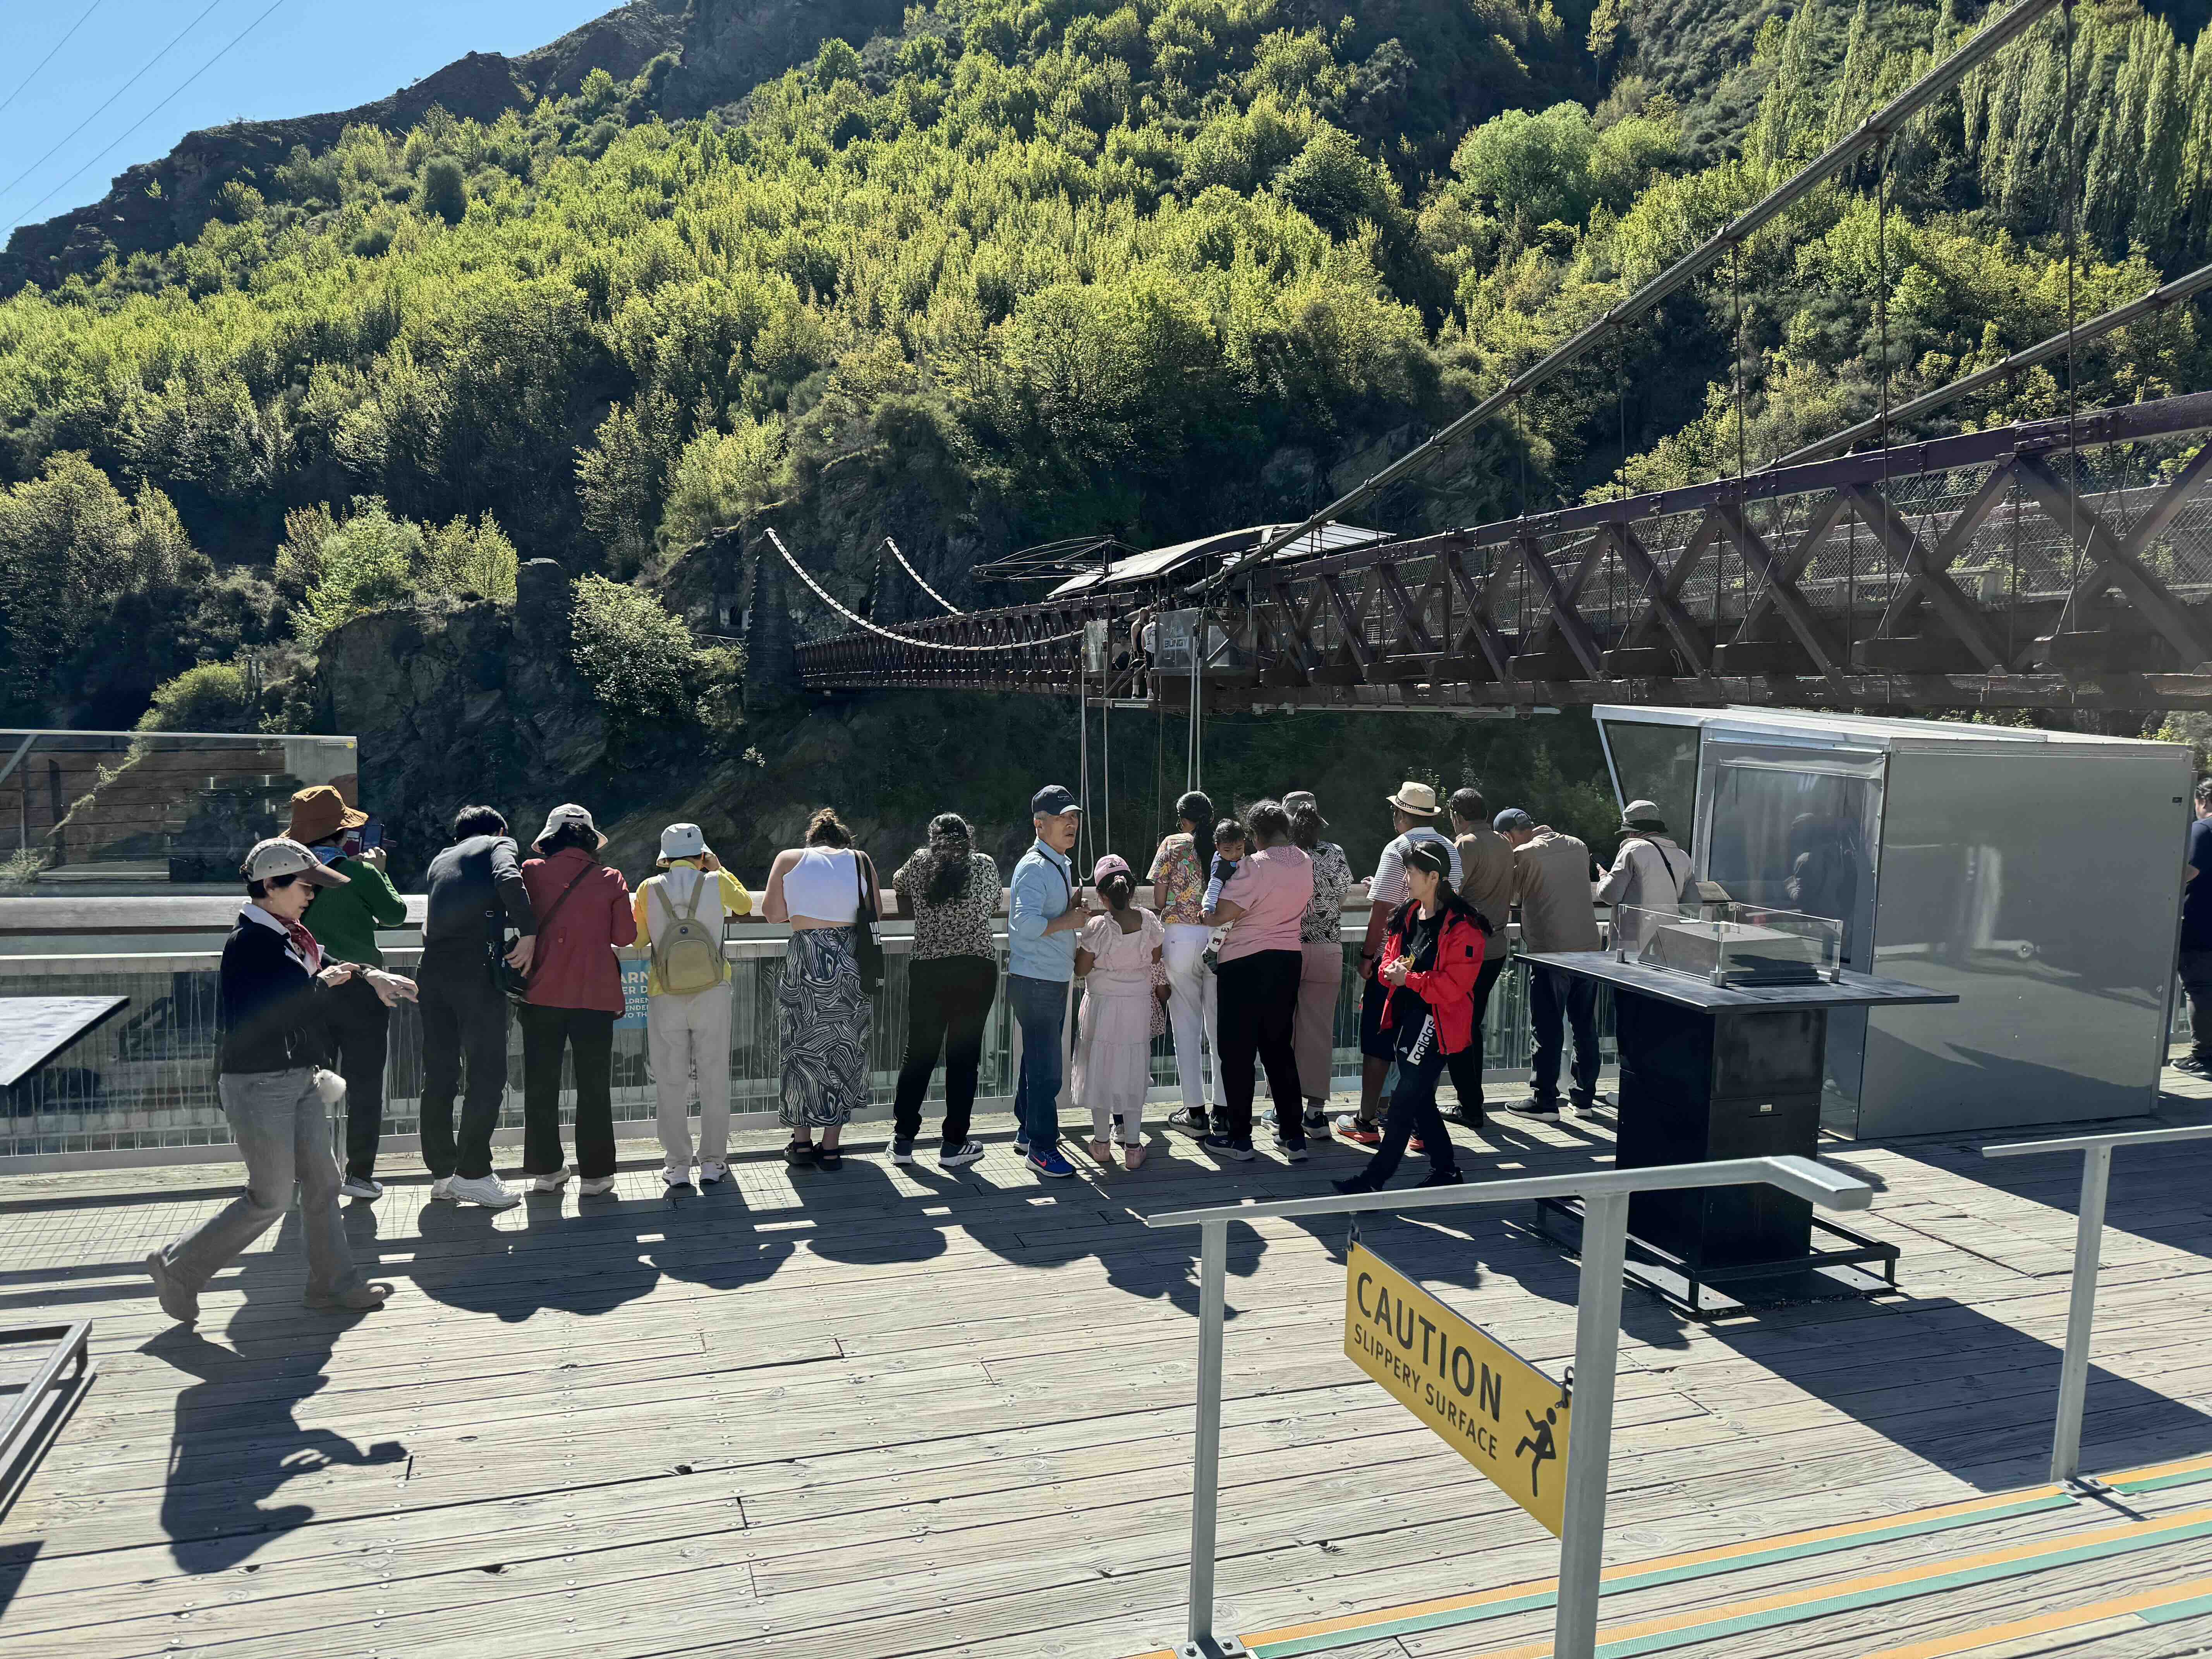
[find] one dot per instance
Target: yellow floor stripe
(1632, 1569)
(2042, 1624)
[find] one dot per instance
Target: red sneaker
(1414, 1145)
(1359, 1131)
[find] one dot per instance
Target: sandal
(828, 1157)
(800, 1153)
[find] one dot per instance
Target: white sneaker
(712, 1174)
(360, 1186)
(595, 1186)
(442, 1190)
(488, 1190)
(970, 1153)
(672, 1176)
(1021, 1145)
(551, 1183)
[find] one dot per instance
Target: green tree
(213, 696)
(643, 663)
(445, 189)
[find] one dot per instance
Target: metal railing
(2088, 1238)
(1605, 1194)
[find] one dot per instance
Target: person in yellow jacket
(680, 915)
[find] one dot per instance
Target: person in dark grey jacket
(275, 987)
(475, 892)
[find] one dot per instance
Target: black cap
(1052, 800)
(1427, 856)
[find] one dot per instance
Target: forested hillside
(1022, 270)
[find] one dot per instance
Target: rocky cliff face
(724, 49)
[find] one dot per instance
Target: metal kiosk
(1722, 1029)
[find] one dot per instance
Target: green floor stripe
(1859, 1601)
(1535, 1600)
(2174, 1613)
(2163, 1482)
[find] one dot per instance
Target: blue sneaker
(1050, 1163)
(1236, 1152)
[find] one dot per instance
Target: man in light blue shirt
(1042, 920)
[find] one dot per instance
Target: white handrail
(1605, 1194)
(2081, 1303)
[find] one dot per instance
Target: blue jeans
(1040, 1007)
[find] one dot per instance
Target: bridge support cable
(950, 608)
(2157, 300)
(1876, 128)
(907, 640)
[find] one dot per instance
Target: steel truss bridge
(2056, 564)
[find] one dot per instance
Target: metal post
(1589, 1435)
(1206, 1460)
(2081, 1314)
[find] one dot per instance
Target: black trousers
(1464, 1067)
(360, 1028)
(948, 1002)
(2197, 982)
(589, 1033)
(1259, 1001)
(1421, 1062)
(1555, 999)
(463, 1018)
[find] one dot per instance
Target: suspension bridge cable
(143, 71)
(822, 594)
(1877, 127)
(2073, 215)
(49, 57)
(950, 608)
(156, 110)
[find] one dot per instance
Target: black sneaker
(1236, 1152)
(902, 1151)
(1191, 1121)
(1357, 1184)
(1536, 1106)
(1442, 1178)
(1467, 1117)
(1317, 1123)
(2190, 1066)
(1294, 1152)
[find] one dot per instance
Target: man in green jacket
(344, 920)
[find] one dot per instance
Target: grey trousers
(284, 1136)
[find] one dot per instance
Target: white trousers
(685, 1035)
(1191, 1010)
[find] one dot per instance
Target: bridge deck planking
(1012, 1478)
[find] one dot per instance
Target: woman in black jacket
(273, 1090)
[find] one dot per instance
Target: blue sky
(305, 55)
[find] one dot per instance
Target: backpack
(686, 953)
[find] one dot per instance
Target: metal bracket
(1220, 1647)
(2088, 1487)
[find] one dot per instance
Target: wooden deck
(880, 1413)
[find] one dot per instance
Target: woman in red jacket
(575, 996)
(1431, 959)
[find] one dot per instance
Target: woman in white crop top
(823, 1014)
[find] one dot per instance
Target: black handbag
(511, 980)
(867, 945)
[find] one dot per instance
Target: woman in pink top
(1259, 964)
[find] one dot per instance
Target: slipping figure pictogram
(1542, 1441)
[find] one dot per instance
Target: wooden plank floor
(885, 1413)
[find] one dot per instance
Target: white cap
(562, 816)
(682, 840)
(280, 855)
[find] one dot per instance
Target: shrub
(641, 662)
(215, 696)
(466, 558)
(368, 561)
(445, 190)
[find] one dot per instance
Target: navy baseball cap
(1512, 818)
(1052, 800)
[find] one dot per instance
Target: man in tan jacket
(1552, 885)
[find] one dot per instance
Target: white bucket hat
(682, 841)
(562, 816)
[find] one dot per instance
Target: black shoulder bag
(510, 978)
(867, 945)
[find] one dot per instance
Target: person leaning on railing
(1261, 962)
(1431, 958)
(1320, 977)
(680, 914)
(823, 1008)
(276, 990)
(951, 891)
(575, 996)
(1178, 879)
(343, 920)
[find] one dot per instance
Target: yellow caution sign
(1492, 1406)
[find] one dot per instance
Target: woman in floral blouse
(1313, 1034)
(1178, 879)
(951, 892)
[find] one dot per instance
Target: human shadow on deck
(483, 1262)
(235, 1440)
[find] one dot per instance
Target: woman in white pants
(1178, 879)
(680, 915)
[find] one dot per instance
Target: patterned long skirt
(822, 1017)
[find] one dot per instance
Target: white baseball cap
(280, 855)
(562, 816)
(682, 841)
